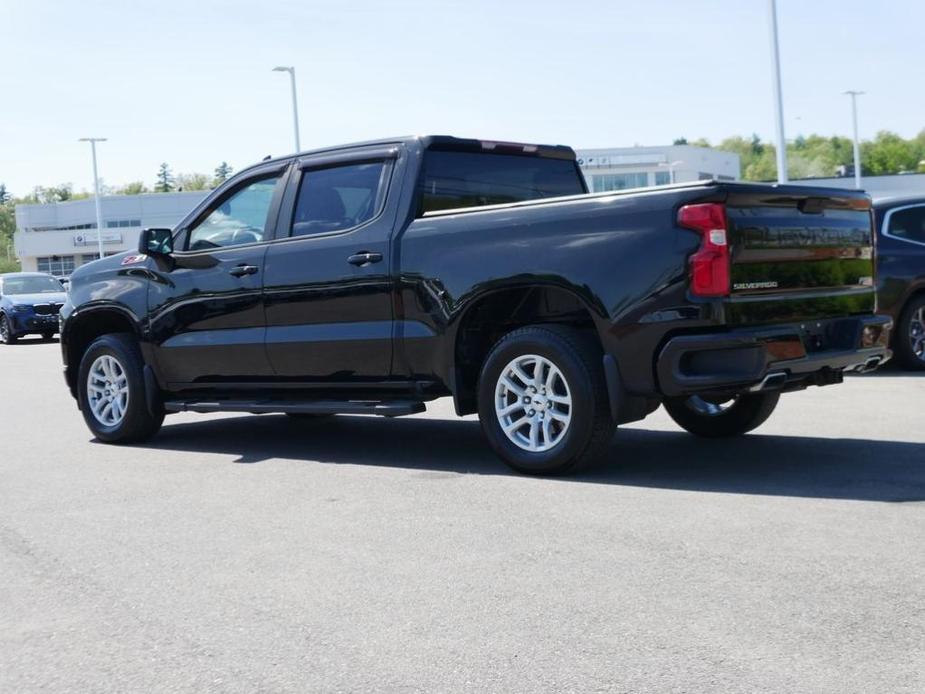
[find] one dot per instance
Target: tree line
(816, 156)
(165, 182)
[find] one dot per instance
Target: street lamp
(857, 145)
(295, 106)
(778, 96)
(670, 165)
(96, 192)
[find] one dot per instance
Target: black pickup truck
(371, 278)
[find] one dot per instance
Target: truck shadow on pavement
(859, 469)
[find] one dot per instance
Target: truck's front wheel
(717, 419)
(111, 391)
(543, 401)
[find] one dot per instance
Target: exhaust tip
(772, 380)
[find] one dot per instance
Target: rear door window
(339, 197)
(453, 179)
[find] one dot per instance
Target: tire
(909, 339)
(744, 414)
(48, 336)
(569, 435)
(126, 365)
(7, 336)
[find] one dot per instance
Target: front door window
(239, 219)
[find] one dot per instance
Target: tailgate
(799, 254)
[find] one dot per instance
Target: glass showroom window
(662, 178)
(58, 265)
(605, 182)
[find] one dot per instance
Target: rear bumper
(780, 357)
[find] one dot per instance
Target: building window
(606, 182)
(117, 223)
(662, 178)
(57, 265)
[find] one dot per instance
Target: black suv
(901, 274)
(29, 305)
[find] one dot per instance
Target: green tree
(193, 181)
(680, 141)
(165, 179)
(888, 153)
(222, 172)
(133, 188)
(5, 196)
(8, 263)
(52, 194)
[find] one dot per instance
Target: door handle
(364, 258)
(242, 270)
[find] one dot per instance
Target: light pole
(857, 145)
(778, 97)
(295, 104)
(670, 165)
(96, 192)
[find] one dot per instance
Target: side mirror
(156, 241)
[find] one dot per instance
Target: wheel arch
(492, 313)
(84, 326)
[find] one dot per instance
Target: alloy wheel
(107, 390)
(533, 403)
(917, 333)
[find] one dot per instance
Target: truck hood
(109, 265)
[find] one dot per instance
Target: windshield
(32, 285)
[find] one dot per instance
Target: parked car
(901, 274)
(29, 304)
(370, 278)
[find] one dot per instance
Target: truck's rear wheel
(543, 402)
(111, 391)
(717, 419)
(909, 340)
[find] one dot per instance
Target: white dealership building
(59, 237)
(618, 168)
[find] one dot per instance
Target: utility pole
(96, 192)
(778, 96)
(857, 144)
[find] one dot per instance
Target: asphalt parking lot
(247, 554)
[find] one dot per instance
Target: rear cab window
(452, 179)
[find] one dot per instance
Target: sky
(190, 83)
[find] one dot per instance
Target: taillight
(710, 264)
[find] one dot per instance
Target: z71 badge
(133, 259)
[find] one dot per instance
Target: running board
(384, 408)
